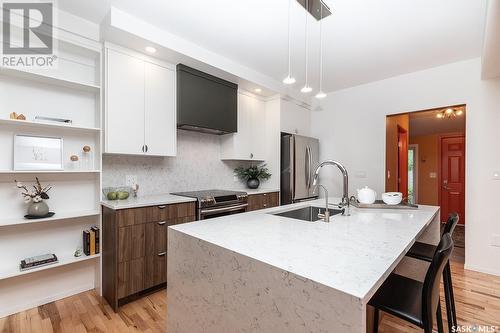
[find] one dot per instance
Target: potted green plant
(253, 175)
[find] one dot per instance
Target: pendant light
(306, 88)
(320, 93)
(289, 79)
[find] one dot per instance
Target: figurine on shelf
(74, 162)
(16, 116)
(37, 208)
(78, 252)
(87, 158)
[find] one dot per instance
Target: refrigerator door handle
(310, 165)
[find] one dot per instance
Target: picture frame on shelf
(38, 153)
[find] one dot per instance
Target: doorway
(425, 160)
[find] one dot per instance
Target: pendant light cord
(306, 46)
(289, 39)
(321, 50)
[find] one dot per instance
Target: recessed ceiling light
(258, 90)
(459, 112)
(150, 49)
(449, 111)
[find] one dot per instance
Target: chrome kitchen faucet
(345, 196)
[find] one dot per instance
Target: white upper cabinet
(140, 115)
(160, 113)
(125, 104)
(249, 142)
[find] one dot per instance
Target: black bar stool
(425, 252)
(412, 300)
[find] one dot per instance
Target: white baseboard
(34, 303)
(481, 269)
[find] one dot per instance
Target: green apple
(122, 195)
(112, 196)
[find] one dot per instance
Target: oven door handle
(224, 209)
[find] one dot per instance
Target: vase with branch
(253, 175)
(35, 198)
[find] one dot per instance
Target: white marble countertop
(145, 201)
(260, 190)
(353, 254)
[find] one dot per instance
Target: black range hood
(205, 103)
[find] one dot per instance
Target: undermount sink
(307, 213)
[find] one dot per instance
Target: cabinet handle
(143, 149)
(162, 207)
(147, 148)
(162, 223)
(251, 155)
(265, 194)
(265, 205)
(161, 254)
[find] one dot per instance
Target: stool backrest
(451, 223)
(430, 295)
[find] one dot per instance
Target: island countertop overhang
(352, 254)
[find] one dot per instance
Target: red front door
(403, 162)
(452, 196)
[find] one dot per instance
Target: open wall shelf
(41, 125)
(45, 172)
(57, 217)
(13, 271)
(70, 90)
(47, 79)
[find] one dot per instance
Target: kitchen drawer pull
(162, 207)
(162, 222)
(161, 254)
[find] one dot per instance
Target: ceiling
(426, 123)
(364, 40)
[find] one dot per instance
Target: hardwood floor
(477, 300)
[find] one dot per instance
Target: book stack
(38, 261)
(91, 241)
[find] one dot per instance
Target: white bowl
(392, 198)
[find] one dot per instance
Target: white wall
(295, 118)
(351, 129)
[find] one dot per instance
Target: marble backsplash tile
(197, 166)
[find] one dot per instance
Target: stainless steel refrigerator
(299, 157)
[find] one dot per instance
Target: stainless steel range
(215, 203)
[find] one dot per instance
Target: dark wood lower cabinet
(134, 248)
(130, 277)
(264, 200)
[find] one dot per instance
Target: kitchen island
(258, 272)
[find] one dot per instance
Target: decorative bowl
(392, 198)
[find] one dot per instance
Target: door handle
(308, 167)
(161, 254)
(162, 223)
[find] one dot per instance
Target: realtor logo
(28, 34)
